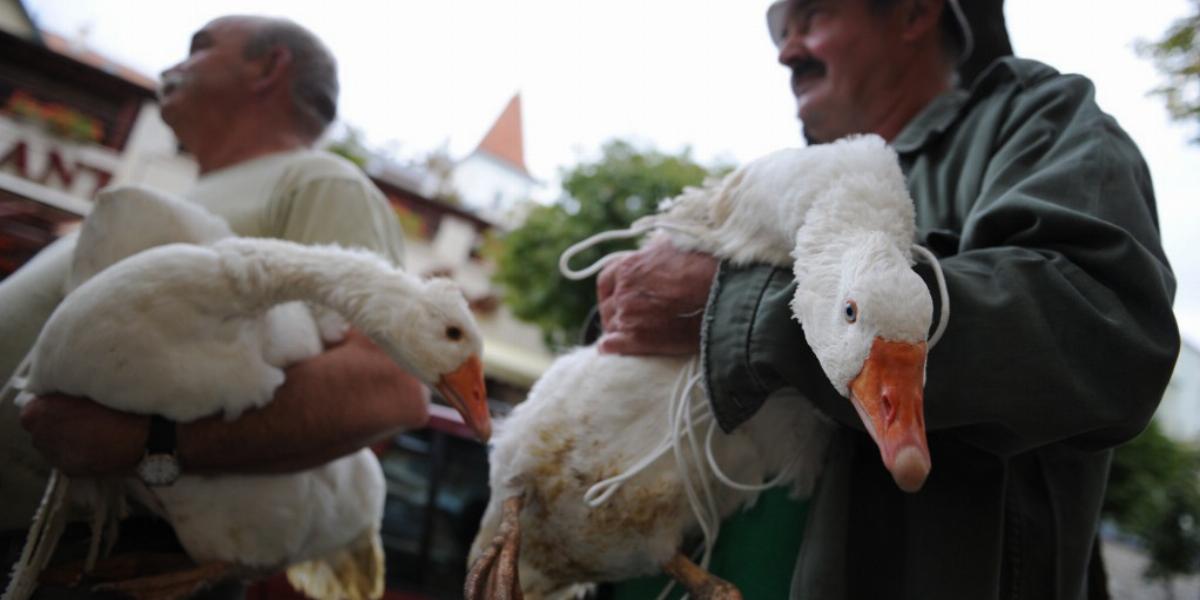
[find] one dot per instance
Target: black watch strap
(162, 436)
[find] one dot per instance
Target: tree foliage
(610, 193)
(1177, 56)
(351, 145)
(437, 165)
(1154, 494)
(440, 166)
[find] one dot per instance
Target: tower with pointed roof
(494, 177)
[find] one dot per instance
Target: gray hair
(314, 70)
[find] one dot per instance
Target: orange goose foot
(175, 585)
(494, 574)
(699, 583)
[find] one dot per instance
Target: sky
(418, 75)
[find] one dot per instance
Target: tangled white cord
(15, 385)
(943, 294)
(686, 417)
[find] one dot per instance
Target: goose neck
(270, 272)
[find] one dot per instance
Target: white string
(617, 234)
(703, 510)
(737, 485)
(943, 293)
(707, 515)
(16, 383)
(680, 394)
(639, 227)
(41, 540)
(601, 491)
(685, 418)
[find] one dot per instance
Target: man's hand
(81, 437)
(652, 301)
(349, 396)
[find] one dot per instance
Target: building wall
(14, 20)
(513, 350)
(449, 241)
(489, 186)
(78, 168)
(29, 151)
(152, 157)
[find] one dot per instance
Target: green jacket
(1060, 343)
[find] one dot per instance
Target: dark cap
(981, 31)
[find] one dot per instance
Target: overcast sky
(417, 74)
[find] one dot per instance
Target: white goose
(188, 330)
(591, 431)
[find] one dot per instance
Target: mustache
(804, 67)
(168, 82)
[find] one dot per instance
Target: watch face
(158, 469)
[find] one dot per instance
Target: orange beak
(889, 397)
(465, 391)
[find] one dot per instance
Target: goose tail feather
(354, 572)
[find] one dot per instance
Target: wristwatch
(160, 464)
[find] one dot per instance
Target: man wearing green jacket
(1061, 338)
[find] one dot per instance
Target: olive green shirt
(1060, 343)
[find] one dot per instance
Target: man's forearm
(330, 405)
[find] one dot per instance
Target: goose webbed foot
(699, 583)
(494, 574)
(114, 568)
(174, 585)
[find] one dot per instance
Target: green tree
(351, 146)
(610, 193)
(1177, 56)
(440, 165)
(1154, 495)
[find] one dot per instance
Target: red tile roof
(504, 140)
(63, 46)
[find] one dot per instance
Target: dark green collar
(934, 119)
(940, 114)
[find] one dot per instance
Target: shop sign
(80, 169)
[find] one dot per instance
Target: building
(69, 125)
(493, 178)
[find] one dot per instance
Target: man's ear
(273, 68)
(921, 17)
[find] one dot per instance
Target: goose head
(436, 338)
(868, 329)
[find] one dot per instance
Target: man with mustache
(1061, 337)
(248, 102)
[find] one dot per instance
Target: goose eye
(454, 333)
(850, 311)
